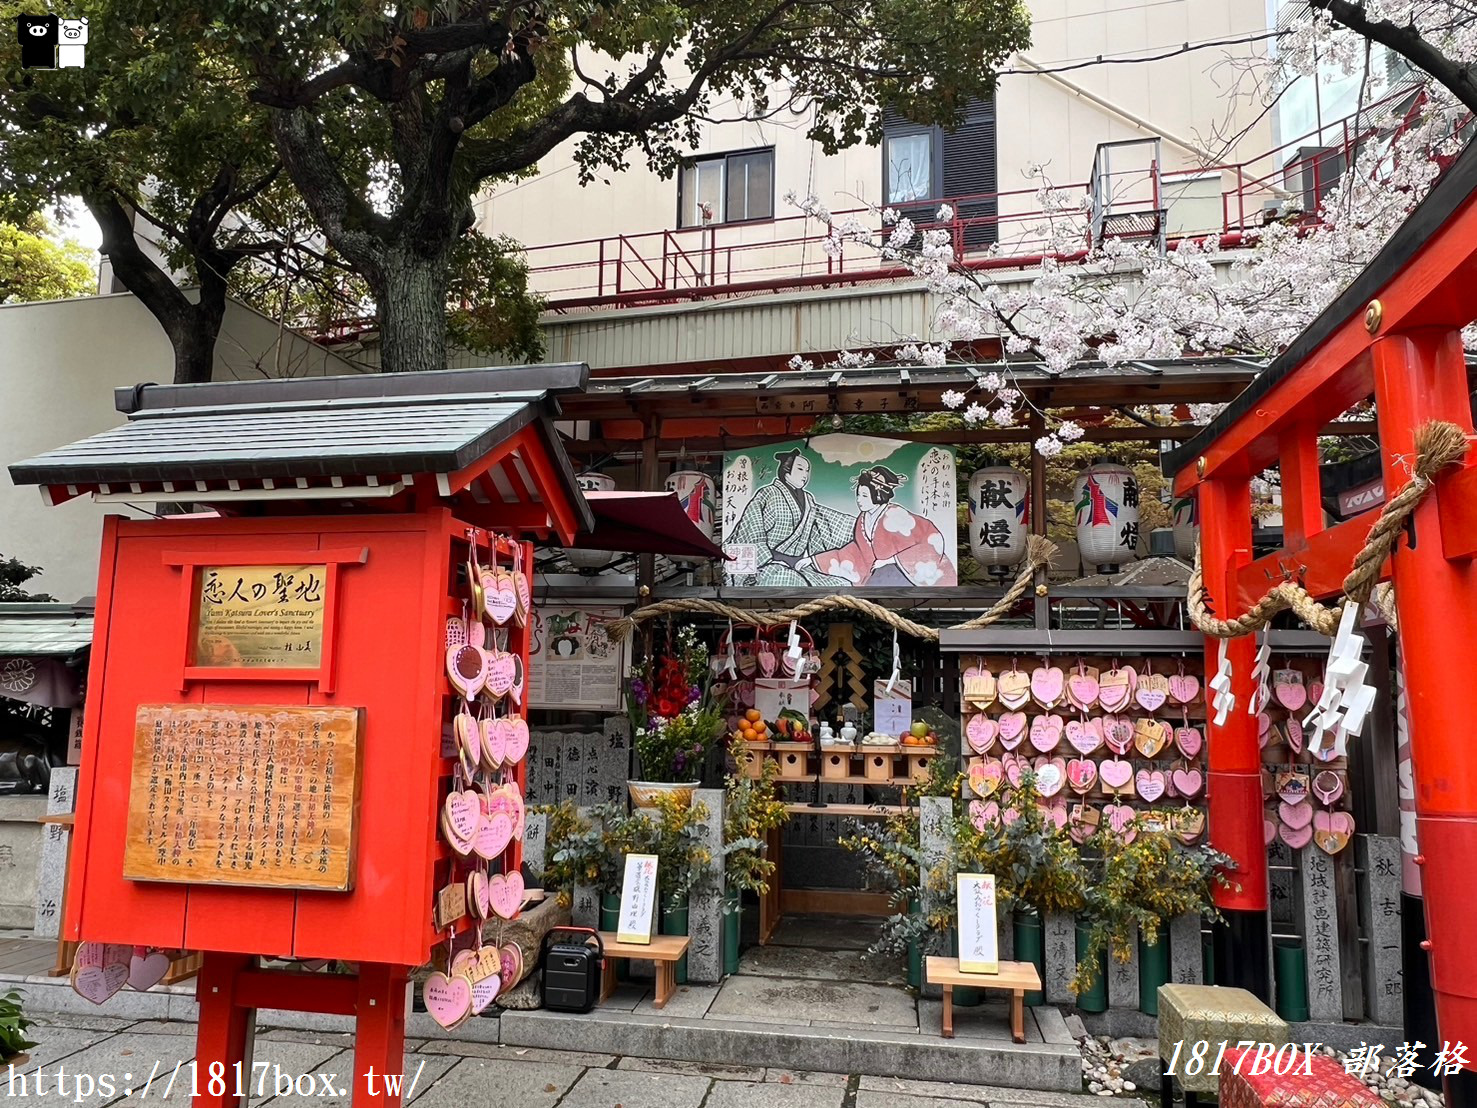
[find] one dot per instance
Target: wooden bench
(665, 950)
(1019, 978)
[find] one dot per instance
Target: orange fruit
(761, 727)
(749, 734)
(753, 715)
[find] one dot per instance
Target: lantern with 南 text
(999, 502)
(1106, 496)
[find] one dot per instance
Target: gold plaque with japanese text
(232, 795)
(264, 617)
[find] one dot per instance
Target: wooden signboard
(979, 935)
(638, 898)
(260, 616)
(255, 796)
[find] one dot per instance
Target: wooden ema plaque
(255, 796)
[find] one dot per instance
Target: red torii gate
(1395, 334)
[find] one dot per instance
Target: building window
(922, 166)
(728, 188)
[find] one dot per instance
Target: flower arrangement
(1142, 885)
(751, 809)
(675, 715)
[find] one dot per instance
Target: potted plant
(579, 852)
(676, 718)
(1140, 886)
(13, 1024)
(674, 834)
(1035, 864)
(751, 810)
(893, 861)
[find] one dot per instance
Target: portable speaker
(571, 970)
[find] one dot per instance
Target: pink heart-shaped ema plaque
(1115, 688)
(517, 739)
(1082, 688)
(1046, 732)
(1293, 729)
(1082, 774)
(1297, 815)
(447, 999)
(1115, 773)
(494, 744)
(456, 631)
(510, 956)
(1085, 735)
(985, 777)
(1187, 782)
(484, 991)
(1152, 691)
(500, 673)
(1269, 830)
(468, 737)
(1120, 818)
(1332, 831)
(1047, 686)
(1189, 740)
(464, 668)
(1184, 687)
(1050, 777)
(1084, 822)
(767, 662)
(502, 598)
(103, 954)
(1118, 733)
(1150, 736)
(981, 731)
(1288, 688)
(1012, 729)
(1296, 837)
(1013, 687)
(1150, 784)
(461, 817)
(99, 983)
(505, 893)
(477, 894)
(1315, 691)
(493, 836)
(983, 814)
(1015, 765)
(1055, 813)
(1009, 815)
(147, 970)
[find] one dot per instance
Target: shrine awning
(482, 439)
(39, 629)
(644, 523)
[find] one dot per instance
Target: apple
(920, 729)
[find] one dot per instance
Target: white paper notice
(892, 712)
(773, 695)
(573, 662)
(979, 937)
(638, 896)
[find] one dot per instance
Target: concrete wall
(59, 363)
(1041, 119)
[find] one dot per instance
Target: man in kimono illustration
(889, 544)
(786, 524)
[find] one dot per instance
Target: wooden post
(379, 1034)
(1041, 605)
(224, 1035)
(647, 475)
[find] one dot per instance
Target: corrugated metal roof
(326, 438)
(53, 630)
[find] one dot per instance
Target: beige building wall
(1055, 120)
(59, 363)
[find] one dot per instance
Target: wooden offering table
(665, 950)
(1019, 978)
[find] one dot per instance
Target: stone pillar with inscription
(1060, 941)
(935, 813)
(1319, 916)
(535, 843)
(1123, 977)
(1379, 857)
(585, 910)
(1186, 952)
(613, 768)
(705, 910)
(51, 877)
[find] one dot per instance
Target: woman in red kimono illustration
(890, 545)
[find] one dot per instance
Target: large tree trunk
(411, 293)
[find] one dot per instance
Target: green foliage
(752, 809)
(592, 851)
(13, 574)
(35, 266)
(13, 1024)
(892, 859)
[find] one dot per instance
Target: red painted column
(223, 1035)
(379, 1036)
(1234, 783)
(1421, 376)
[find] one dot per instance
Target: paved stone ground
(449, 1074)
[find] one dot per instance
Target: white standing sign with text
(979, 935)
(638, 899)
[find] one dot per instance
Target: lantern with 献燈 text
(999, 507)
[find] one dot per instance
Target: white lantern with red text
(698, 496)
(1106, 496)
(999, 514)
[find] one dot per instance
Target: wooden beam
(1456, 500)
(1320, 563)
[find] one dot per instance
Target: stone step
(1051, 1066)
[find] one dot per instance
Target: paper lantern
(999, 504)
(591, 559)
(1107, 500)
(1185, 519)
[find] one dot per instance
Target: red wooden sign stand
(1395, 335)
